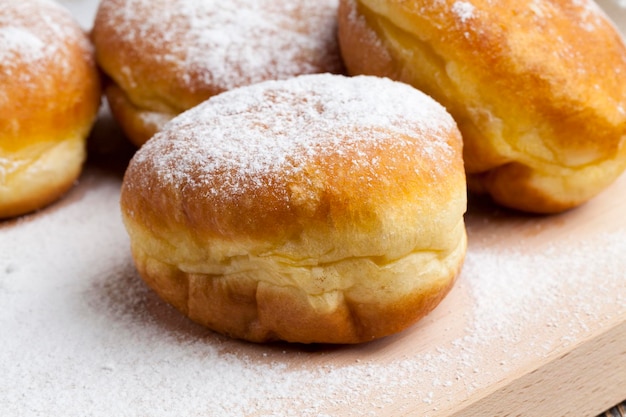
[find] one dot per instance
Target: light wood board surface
(535, 325)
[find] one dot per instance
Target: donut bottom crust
(260, 300)
(38, 175)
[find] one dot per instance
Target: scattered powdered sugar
(228, 44)
(529, 284)
(20, 42)
(81, 334)
(84, 336)
(463, 9)
(33, 35)
(153, 120)
(276, 127)
(586, 13)
(591, 15)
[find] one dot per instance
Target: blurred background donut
(165, 56)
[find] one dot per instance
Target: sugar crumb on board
(88, 335)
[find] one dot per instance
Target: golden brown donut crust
(538, 89)
(166, 56)
(49, 98)
(353, 233)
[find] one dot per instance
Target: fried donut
(166, 56)
(49, 99)
(321, 208)
(537, 88)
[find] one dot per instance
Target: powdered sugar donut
(165, 56)
(49, 98)
(538, 88)
(316, 209)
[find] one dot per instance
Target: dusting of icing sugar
(463, 10)
(275, 127)
(591, 15)
(32, 37)
(87, 337)
(153, 119)
(229, 44)
(530, 284)
(20, 43)
(587, 13)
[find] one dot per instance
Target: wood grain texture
(577, 383)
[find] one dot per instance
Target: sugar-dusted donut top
(269, 133)
(225, 43)
(33, 38)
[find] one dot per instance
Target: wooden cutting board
(535, 325)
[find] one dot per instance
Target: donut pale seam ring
(322, 208)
